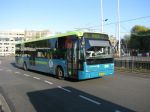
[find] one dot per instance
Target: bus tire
(60, 73)
(25, 67)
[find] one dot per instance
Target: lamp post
(101, 16)
(118, 14)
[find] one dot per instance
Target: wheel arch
(59, 66)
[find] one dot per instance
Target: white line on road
(36, 78)
(117, 111)
(17, 72)
(88, 99)
(9, 70)
(64, 89)
(1, 69)
(48, 82)
(26, 75)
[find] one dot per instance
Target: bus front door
(72, 62)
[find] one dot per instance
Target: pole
(118, 13)
(101, 16)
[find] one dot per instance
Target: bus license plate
(101, 74)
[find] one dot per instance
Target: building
(8, 39)
(29, 34)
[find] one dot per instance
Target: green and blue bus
(76, 55)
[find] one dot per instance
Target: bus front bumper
(94, 74)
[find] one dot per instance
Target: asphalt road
(29, 91)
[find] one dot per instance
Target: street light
(118, 13)
(102, 20)
(101, 16)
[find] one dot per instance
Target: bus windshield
(96, 48)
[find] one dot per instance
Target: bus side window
(61, 43)
(56, 45)
(53, 43)
(68, 43)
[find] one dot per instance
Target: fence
(139, 64)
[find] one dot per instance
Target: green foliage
(139, 38)
(136, 30)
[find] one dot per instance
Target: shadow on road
(14, 65)
(57, 100)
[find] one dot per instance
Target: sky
(68, 15)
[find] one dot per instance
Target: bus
(76, 55)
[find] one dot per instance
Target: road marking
(9, 70)
(36, 78)
(48, 82)
(117, 111)
(17, 72)
(26, 75)
(64, 89)
(1, 69)
(88, 99)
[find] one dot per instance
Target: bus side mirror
(83, 43)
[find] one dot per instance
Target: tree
(140, 38)
(126, 41)
(137, 29)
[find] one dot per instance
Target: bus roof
(77, 33)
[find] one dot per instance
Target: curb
(3, 105)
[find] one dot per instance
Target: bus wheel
(25, 67)
(59, 73)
